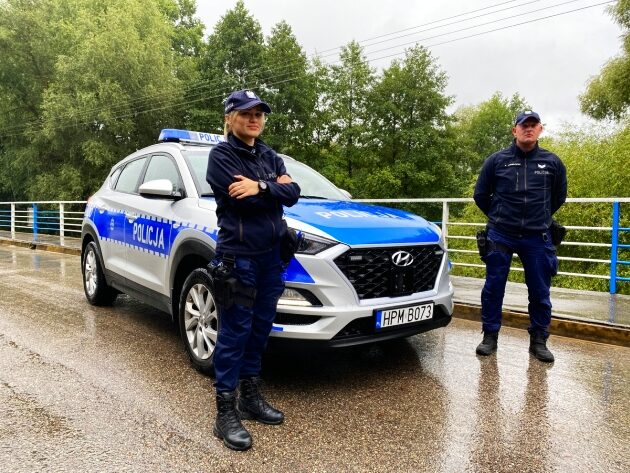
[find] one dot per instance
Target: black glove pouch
(558, 233)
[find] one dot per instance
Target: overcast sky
(548, 62)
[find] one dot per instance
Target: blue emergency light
(187, 136)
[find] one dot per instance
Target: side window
(162, 167)
(114, 177)
(128, 179)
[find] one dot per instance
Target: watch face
(262, 185)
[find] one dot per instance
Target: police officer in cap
(519, 189)
(250, 184)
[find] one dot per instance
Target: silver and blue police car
(362, 274)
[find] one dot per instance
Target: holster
(482, 242)
(227, 289)
(485, 245)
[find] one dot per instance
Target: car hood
(354, 223)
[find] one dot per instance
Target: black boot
(228, 425)
(489, 344)
(538, 347)
(252, 405)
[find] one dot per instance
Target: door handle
(131, 217)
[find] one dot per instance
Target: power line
(476, 26)
(433, 22)
(503, 28)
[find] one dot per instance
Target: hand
(284, 179)
(243, 187)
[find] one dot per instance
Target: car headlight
(313, 244)
(298, 297)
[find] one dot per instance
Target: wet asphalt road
(111, 389)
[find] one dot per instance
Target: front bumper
(362, 331)
(344, 320)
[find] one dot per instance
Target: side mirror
(160, 189)
(346, 193)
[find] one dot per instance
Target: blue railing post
(614, 248)
(34, 222)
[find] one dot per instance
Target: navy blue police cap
(244, 100)
(526, 115)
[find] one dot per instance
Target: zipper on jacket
(524, 194)
(273, 230)
(545, 195)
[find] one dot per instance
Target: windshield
(312, 183)
(197, 161)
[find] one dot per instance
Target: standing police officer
(519, 189)
(251, 185)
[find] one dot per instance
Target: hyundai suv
(363, 273)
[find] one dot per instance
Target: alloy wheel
(201, 321)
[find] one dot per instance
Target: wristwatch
(262, 187)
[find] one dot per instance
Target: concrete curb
(36, 245)
(561, 326)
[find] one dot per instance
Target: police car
(362, 274)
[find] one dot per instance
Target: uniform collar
(523, 154)
(257, 149)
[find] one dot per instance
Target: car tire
(97, 291)
(199, 320)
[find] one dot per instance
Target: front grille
(373, 273)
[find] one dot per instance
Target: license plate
(403, 315)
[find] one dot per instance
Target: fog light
(293, 297)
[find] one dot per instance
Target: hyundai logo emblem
(402, 258)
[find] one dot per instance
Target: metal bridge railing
(62, 219)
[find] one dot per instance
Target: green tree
(318, 149)
(346, 96)
(28, 62)
(289, 88)
(95, 85)
(608, 94)
(187, 38)
(232, 59)
(410, 148)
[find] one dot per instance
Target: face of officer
(246, 125)
(527, 134)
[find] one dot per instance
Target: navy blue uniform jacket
(519, 191)
(252, 225)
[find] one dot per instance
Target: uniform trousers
(540, 262)
(243, 331)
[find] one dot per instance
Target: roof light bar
(187, 136)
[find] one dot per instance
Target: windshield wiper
(207, 194)
(313, 197)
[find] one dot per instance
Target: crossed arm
(244, 187)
